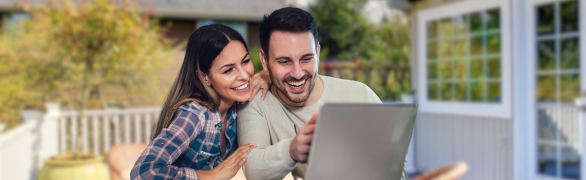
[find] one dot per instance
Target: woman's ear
(205, 78)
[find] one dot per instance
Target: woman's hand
(260, 80)
(228, 168)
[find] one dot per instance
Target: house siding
(485, 144)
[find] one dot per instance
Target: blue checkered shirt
(191, 142)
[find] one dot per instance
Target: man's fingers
(307, 129)
(313, 119)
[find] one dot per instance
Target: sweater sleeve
(267, 161)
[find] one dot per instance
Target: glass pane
(446, 28)
(461, 47)
(546, 88)
(446, 69)
(431, 29)
(459, 25)
(570, 87)
(494, 67)
(570, 54)
(570, 163)
(460, 70)
(545, 19)
(461, 91)
(432, 91)
(547, 127)
(446, 91)
(475, 22)
(432, 50)
(477, 91)
(569, 16)
(493, 43)
(547, 159)
(476, 45)
(493, 19)
(494, 92)
(476, 70)
(546, 53)
(432, 70)
(570, 126)
(445, 49)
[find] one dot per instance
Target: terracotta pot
(66, 167)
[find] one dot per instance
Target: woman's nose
(242, 75)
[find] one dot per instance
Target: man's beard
(282, 86)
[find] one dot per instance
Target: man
(282, 125)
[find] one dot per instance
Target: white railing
(100, 129)
(42, 135)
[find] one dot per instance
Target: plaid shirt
(191, 142)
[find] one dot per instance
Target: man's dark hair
(287, 19)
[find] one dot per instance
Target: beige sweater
(270, 124)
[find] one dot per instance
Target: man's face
(292, 64)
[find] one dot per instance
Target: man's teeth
(241, 87)
(300, 83)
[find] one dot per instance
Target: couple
(198, 136)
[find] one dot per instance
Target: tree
(383, 50)
(341, 27)
(67, 51)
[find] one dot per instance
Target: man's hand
(301, 144)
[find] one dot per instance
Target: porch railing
(42, 135)
(100, 129)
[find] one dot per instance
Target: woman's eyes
(246, 61)
(227, 71)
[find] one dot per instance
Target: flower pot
(67, 167)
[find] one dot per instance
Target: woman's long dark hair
(204, 45)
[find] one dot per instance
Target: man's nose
(297, 71)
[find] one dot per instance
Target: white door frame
(525, 118)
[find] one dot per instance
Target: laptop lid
(361, 141)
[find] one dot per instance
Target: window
(463, 59)
(557, 67)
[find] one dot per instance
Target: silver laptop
(361, 141)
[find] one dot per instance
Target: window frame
(498, 110)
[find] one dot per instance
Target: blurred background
(500, 84)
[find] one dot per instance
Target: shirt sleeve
(156, 160)
(266, 161)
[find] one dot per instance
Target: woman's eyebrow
(246, 55)
(227, 65)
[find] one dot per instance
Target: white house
(498, 83)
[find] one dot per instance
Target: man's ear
(318, 48)
(263, 60)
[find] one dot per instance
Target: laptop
(361, 141)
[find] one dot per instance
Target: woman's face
(231, 73)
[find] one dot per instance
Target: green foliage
(255, 58)
(341, 27)
(67, 51)
(383, 50)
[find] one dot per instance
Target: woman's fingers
(239, 150)
(255, 90)
(265, 90)
(242, 160)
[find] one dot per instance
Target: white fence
(23, 148)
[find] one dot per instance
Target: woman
(195, 136)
